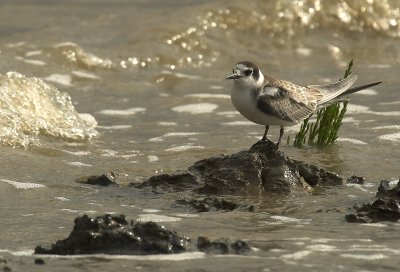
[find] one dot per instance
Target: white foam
(393, 137)
(115, 127)
(173, 134)
(156, 257)
(150, 210)
(85, 75)
(59, 79)
(23, 185)
(367, 92)
(297, 255)
(152, 158)
(156, 139)
(79, 164)
(238, 123)
(196, 108)
(387, 127)
(303, 51)
(33, 53)
(353, 109)
(14, 45)
(167, 124)
(376, 225)
(78, 153)
(366, 257)
(386, 113)
(390, 103)
(328, 240)
(127, 112)
(157, 218)
(287, 219)
(322, 248)
(32, 61)
(184, 148)
(228, 113)
(216, 87)
(380, 66)
(348, 119)
(357, 186)
(81, 211)
(208, 95)
(61, 198)
(350, 140)
(188, 215)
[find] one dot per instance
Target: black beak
(233, 76)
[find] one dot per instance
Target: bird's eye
(248, 72)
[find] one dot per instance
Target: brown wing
(287, 101)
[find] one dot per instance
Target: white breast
(244, 100)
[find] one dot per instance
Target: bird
(270, 101)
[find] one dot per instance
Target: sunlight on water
(73, 53)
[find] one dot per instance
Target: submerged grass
(325, 130)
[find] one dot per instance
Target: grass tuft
(325, 130)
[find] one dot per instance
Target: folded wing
(284, 103)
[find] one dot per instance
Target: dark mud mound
(245, 172)
(223, 246)
(107, 179)
(385, 207)
(112, 234)
(209, 204)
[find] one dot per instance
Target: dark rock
(7, 269)
(222, 246)
(246, 172)
(112, 234)
(384, 190)
(103, 180)
(352, 218)
(209, 204)
(176, 182)
(39, 261)
(385, 208)
(355, 180)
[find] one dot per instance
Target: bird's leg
(264, 138)
(281, 131)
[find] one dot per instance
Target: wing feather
(286, 101)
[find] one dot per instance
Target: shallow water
(138, 88)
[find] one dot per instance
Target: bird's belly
(246, 104)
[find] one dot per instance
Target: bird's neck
(260, 80)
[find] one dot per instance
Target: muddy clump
(210, 204)
(385, 206)
(113, 234)
(104, 180)
(222, 246)
(245, 172)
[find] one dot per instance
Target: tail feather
(359, 88)
(330, 91)
(343, 97)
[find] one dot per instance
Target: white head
(246, 75)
